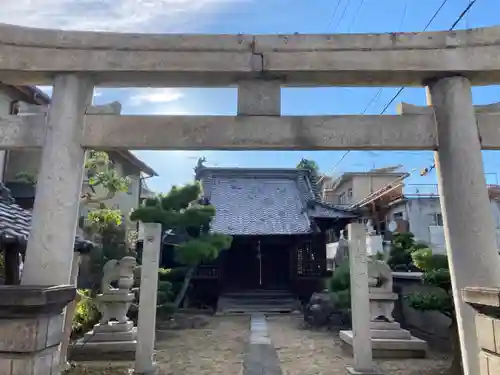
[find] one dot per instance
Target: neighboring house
(15, 226)
(352, 187)
(420, 214)
(279, 225)
(28, 161)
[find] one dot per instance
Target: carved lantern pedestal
(114, 337)
(31, 328)
(388, 339)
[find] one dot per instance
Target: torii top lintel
(34, 56)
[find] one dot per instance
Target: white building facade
(423, 218)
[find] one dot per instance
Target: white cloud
(107, 15)
(48, 90)
(155, 96)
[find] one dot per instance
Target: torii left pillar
(31, 335)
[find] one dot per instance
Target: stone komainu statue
(379, 275)
(121, 271)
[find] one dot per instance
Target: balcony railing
(431, 190)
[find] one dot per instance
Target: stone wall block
(496, 334)
(23, 334)
(485, 332)
(489, 363)
(54, 330)
(486, 302)
(37, 363)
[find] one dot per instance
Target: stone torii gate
(447, 63)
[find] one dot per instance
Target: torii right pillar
(468, 221)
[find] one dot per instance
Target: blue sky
(258, 17)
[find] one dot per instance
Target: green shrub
(340, 279)
(339, 286)
(343, 299)
(402, 247)
(2, 265)
(86, 313)
(425, 260)
(165, 310)
(172, 274)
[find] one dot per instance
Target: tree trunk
(185, 285)
(456, 363)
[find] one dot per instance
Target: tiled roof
(263, 201)
(15, 222)
(318, 209)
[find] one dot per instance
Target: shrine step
(257, 301)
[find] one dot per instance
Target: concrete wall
(364, 185)
(429, 325)
(7, 96)
(29, 161)
(361, 185)
(334, 196)
(420, 213)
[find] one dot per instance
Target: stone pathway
(260, 355)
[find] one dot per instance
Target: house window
(437, 219)
(349, 194)
(397, 216)
(342, 198)
(130, 190)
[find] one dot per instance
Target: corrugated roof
(263, 201)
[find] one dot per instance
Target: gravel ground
(306, 352)
(216, 349)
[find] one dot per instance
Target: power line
(334, 13)
(435, 14)
(355, 15)
(379, 91)
(343, 14)
(464, 12)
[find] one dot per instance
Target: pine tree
(184, 213)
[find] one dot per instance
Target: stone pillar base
(388, 340)
(352, 371)
(31, 322)
(113, 342)
(153, 371)
(486, 302)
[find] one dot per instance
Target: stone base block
(387, 326)
(389, 348)
(127, 336)
(113, 327)
(489, 363)
(352, 371)
(153, 371)
(31, 328)
(41, 362)
(397, 334)
(106, 351)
